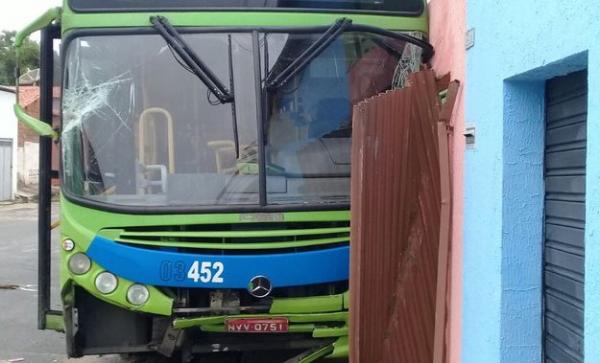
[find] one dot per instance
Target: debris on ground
(8, 287)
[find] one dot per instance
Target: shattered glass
(87, 100)
(139, 129)
(409, 62)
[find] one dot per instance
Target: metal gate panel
(400, 223)
(5, 169)
(564, 252)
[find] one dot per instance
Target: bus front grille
(235, 238)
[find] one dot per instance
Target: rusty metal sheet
(444, 135)
(400, 220)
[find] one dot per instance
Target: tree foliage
(30, 56)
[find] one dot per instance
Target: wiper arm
(190, 58)
(310, 53)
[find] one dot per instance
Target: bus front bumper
(328, 327)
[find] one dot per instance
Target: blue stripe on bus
(165, 268)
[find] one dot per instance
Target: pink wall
(447, 34)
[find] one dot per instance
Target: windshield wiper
(190, 58)
(310, 53)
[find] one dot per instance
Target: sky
(16, 14)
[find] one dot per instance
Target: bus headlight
(79, 263)
(106, 282)
(68, 245)
(138, 294)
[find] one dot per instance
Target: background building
(28, 140)
(8, 144)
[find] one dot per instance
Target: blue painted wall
(518, 46)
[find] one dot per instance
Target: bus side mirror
(39, 126)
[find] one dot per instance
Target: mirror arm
(41, 22)
(40, 127)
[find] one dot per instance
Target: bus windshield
(140, 130)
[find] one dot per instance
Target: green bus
(205, 168)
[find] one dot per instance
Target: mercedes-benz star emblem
(259, 287)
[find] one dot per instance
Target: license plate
(255, 325)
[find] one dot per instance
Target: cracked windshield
(140, 129)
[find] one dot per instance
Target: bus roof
(400, 7)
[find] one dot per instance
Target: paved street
(19, 337)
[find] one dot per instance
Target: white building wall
(8, 130)
(29, 161)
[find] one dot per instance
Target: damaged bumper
(331, 329)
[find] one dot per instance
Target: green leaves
(30, 56)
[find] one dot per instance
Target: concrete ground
(20, 341)
(19, 337)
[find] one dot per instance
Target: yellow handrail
(142, 135)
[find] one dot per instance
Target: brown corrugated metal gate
(400, 223)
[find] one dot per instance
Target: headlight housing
(68, 245)
(106, 282)
(79, 263)
(138, 294)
